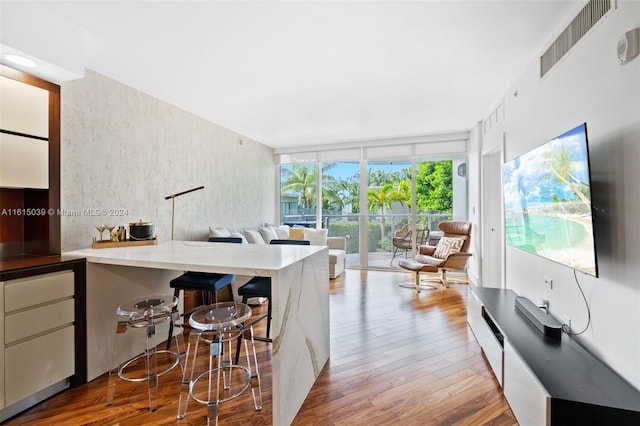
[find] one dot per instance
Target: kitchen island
(300, 302)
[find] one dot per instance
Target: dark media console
(546, 380)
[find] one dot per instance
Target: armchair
(451, 253)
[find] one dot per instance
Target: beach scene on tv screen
(547, 202)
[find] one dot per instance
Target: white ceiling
(306, 73)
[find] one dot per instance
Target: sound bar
(541, 320)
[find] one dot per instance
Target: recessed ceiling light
(20, 60)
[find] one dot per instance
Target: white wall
(588, 85)
(125, 150)
(474, 264)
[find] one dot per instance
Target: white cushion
(282, 231)
(268, 233)
(238, 234)
(316, 237)
(447, 246)
(336, 256)
(219, 232)
(253, 236)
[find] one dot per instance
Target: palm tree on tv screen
(562, 170)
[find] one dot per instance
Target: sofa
(265, 233)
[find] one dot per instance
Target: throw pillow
(219, 232)
(253, 236)
(447, 246)
(281, 230)
(316, 237)
(296, 234)
(268, 233)
(239, 234)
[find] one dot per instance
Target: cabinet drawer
(37, 364)
(35, 321)
(485, 336)
(31, 291)
(528, 400)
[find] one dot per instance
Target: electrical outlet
(567, 322)
(548, 282)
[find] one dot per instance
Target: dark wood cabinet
(29, 217)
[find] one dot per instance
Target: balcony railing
(348, 225)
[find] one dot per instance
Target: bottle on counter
(122, 233)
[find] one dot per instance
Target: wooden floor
(397, 357)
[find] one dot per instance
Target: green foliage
(435, 186)
(383, 197)
(300, 179)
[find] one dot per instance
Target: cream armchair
(451, 253)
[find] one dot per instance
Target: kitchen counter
(300, 301)
(22, 262)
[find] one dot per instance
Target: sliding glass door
(341, 205)
(380, 207)
(388, 208)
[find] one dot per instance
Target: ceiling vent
(583, 22)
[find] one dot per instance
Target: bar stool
(207, 282)
(218, 325)
(144, 313)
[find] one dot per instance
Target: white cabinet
(527, 398)
(547, 381)
(24, 146)
(38, 363)
(486, 337)
(38, 334)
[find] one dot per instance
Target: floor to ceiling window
(298, 194)
(372, 201)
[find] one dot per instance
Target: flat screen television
(547, 202)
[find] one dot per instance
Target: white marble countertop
(202, 256)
